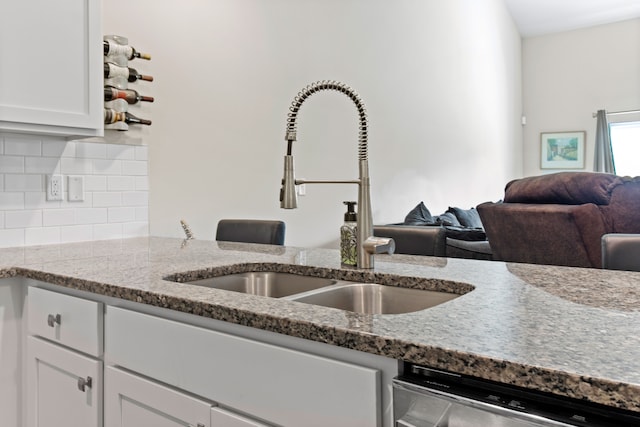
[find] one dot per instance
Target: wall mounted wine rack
(121, 102)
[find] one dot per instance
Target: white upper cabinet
(51, 67)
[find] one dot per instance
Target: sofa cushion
(447, 219)
(567, 188)
(466, 234)
(467, 217)
(419, 215)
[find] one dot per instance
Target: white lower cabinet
(130, 400)
(223, 418)
(64, 387)
(267, 382)
(134, 401)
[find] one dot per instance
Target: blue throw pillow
(467, 217)
(419, 215)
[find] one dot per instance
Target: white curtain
(603, 159)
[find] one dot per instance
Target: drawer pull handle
(53, 319)
(82, 383)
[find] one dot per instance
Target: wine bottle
(112, 48)
(112, 70)
(129, 95)
(113, 116)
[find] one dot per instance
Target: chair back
(269, 232)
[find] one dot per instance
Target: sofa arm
(544, 233)
(415, 240)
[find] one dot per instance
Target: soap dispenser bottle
(349, 236)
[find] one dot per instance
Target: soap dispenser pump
(349, 236)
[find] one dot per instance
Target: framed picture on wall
(562, 150)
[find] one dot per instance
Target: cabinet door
(64, 388)
(50, 67)
(132, 401)
(223, 418)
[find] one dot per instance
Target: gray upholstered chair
(621, 251)
(251, 231)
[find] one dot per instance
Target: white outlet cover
(76, 188)
(55, 187)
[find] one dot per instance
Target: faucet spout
(368, 245)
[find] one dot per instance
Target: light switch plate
(76, 188)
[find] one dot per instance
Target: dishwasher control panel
(435, 398)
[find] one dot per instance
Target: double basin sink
(365, 298)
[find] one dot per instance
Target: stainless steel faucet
(368, 244)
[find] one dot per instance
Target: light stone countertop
(569, 331)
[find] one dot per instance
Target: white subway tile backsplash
(55, 217)
(122, 214)
(22, 146)
(46, 165)
(107, 167)
(75, 166)
(135, 229)
(142, 153)
(142, 183)
(23, 182)
(142, 214)
(95, 183)
(107, 200)
(11, 201)
(115, 201)
(107, 231)
(76, 233)
(92, 216)
(11, 164)
(9, 238)
(41, 236)
(121, 152)
(58, 149)
(134, 167)
(121, 183)
(135, 198)
(91, 151)
(38, 200)
(23, 219)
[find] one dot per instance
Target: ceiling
(538, 17)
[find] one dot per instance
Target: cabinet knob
(82, 383)
(52, 319)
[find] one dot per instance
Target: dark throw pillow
(467, 217)
(419, 215)
(447, 219)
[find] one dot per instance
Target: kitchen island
(567, 331)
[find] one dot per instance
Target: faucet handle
(379, 245)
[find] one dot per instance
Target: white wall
(116, 191)
(568, 76)
(441, 82)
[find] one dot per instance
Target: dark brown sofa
(560, 218)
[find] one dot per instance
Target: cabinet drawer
(280, 385)
(67, 320)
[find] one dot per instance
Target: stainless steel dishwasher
(424, 397)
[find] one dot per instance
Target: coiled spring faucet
(368, 245)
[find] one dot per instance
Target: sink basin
(370, 298)
(265, 283)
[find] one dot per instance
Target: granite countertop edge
(541, 377)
